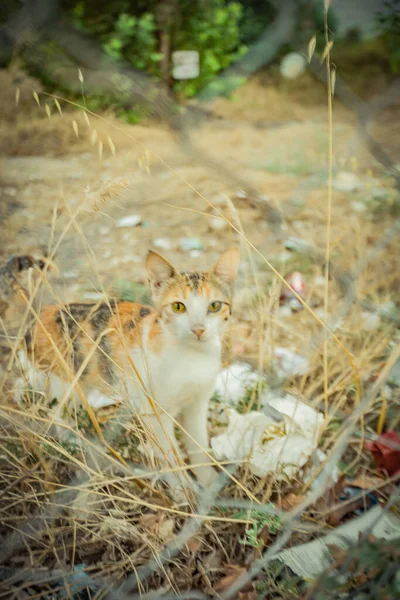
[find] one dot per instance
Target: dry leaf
(233, 572)
(311, 47)
(194, 545)
(159, 526)
(292, 501)
(365, 482)
(252, 595)
(48, 111)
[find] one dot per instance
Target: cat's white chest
(179, 374)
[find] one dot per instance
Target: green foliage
(389, 20)
(131, 31)
(211, 28)
(261, 520)
(135, 40)
(249, 401)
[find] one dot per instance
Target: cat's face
(193, 306)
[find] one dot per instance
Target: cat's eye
(215, 307)
(178, 307)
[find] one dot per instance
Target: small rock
(319, 280)
(295, 304)
(218, 224)
(346, 182)
(358, 206)
(188, 244)
(162, 244)
(293, 65)
(371, 320)
(380, 194)
(93, 296)
(130, 221)
(194, 253)
(285, 311)
(297, 244)
(70, 274)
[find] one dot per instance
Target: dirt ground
(52, 174)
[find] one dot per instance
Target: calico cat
(163, 361)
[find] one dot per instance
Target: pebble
(70, 274)
(130, 221)
(358, 206)
(346, 182)
(371, 320)
(292, 65)
(188, 244)
(285, 311)
(218, 224)
(162, 244)
(93, 295)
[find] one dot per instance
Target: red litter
(296, 281)
(386, 452)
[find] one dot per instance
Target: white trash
(270, 447)
(129, 221)
(289, 363)
(233, 382)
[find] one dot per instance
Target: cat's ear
(227, 265)
(159, 270)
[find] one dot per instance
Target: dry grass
(74, 501)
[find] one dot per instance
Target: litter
(296, 281)
(346, 182)
(281, 447)
(188, 244)
(218, 224)
(162, 244)
(386, 452)
(130, 221)
(233, 382)
(309, 560)
(289, 363)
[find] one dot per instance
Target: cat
(170, 353)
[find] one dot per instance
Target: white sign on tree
(186, 64)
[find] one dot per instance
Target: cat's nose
(198, 330)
